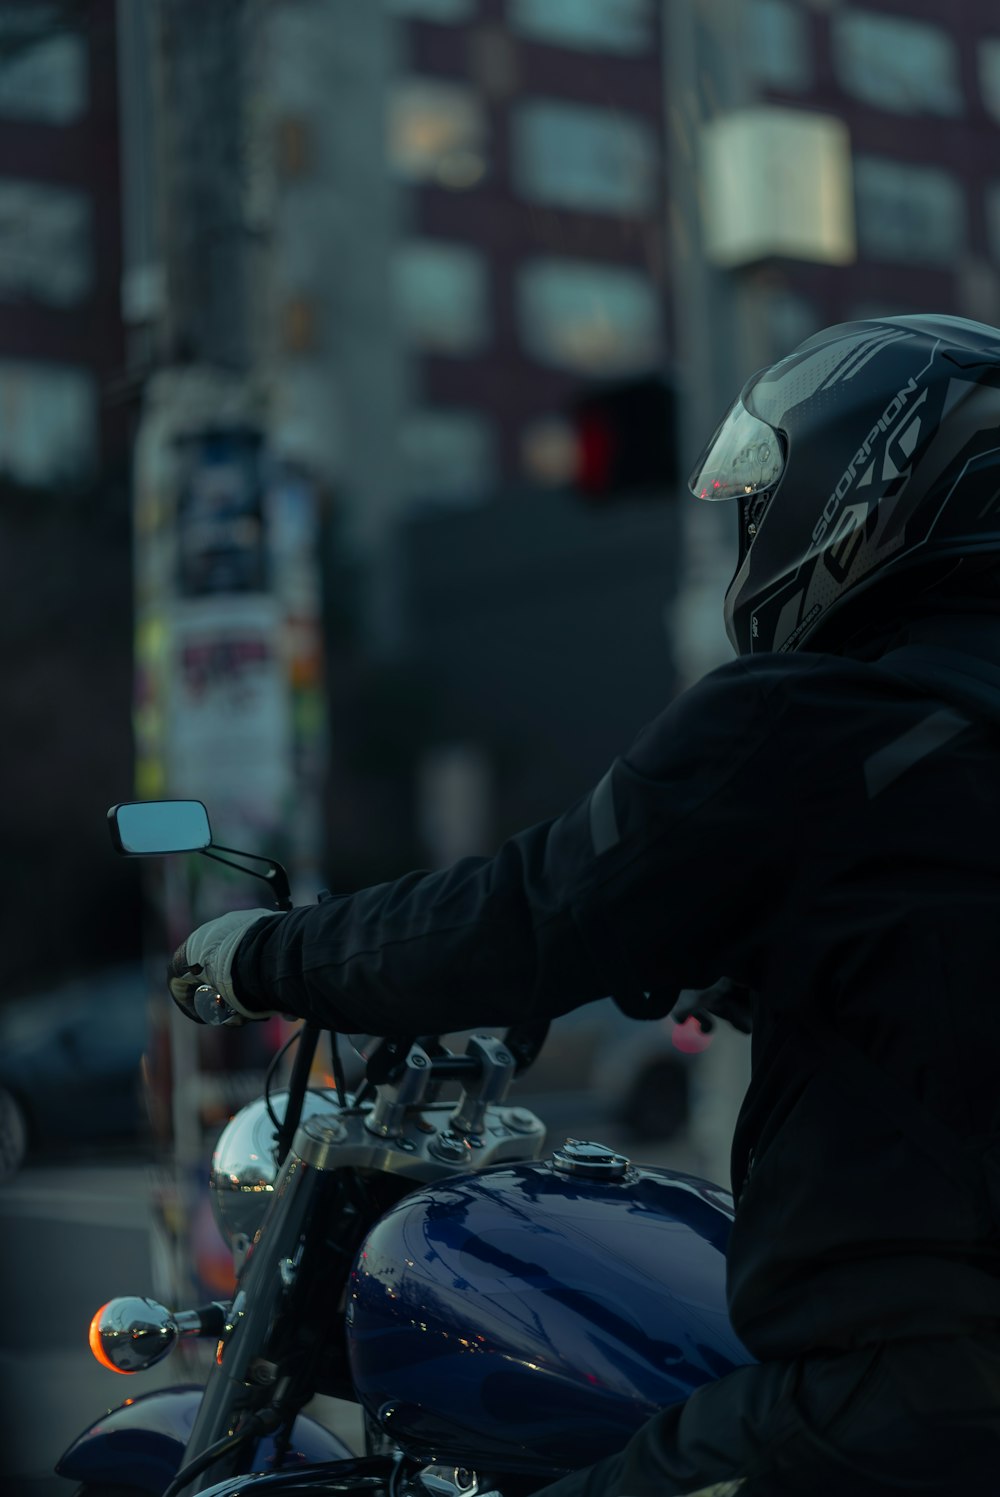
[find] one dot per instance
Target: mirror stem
(273, 874)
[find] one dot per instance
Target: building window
(593, 319)
(573, 156)
(989, 75)
(437, 133)
(624, 26)
(448, 457)
(48, 422)
(43, 75)
(442, 296)
(45, 243)
(777, 35)
(549, 451)
(433, 10)
(897, 64)
(910, 213)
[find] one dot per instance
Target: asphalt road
(72, 1237)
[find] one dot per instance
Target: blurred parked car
(598, 1063)
(633, 1072)
(70, 1065)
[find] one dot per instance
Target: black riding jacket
(822, 829)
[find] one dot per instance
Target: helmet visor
(744, 457)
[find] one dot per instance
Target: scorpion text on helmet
(847, 479)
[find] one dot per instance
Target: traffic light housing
(626, 440)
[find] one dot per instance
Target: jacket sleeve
(635, 888)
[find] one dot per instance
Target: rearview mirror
(159, 826)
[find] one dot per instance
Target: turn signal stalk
(129, 1334)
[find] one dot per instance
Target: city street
(500, 519)
(73, 1236)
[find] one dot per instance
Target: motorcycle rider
(816, 822)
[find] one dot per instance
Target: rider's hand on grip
(206, 959)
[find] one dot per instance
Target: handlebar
(388, 1063)
(156, 828)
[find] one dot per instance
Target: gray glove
(206, 958)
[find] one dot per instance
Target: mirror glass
(154, 826)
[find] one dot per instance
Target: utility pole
(703, 77)
(228, 661)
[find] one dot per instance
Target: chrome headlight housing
(244, 1167)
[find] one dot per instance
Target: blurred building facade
(528, 140)
(916, 89)
(66, 416)
(509, 172)
(408, 235)
(415, 232)
(62, 419)
(529, 144)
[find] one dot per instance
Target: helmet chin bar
(871, 614)
(753, 508)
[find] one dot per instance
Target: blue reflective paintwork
(525, 1321)
(140, 1444)
(319, 1479)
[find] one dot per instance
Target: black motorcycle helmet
(866, 470)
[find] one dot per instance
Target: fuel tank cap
(593, 1161)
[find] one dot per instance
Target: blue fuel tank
(525, 1320)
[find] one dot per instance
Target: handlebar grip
(211, 1007)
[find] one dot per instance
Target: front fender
(141, 1443)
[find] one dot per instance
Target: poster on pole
(229, 728)
(229, 708)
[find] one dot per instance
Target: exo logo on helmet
(905, 435)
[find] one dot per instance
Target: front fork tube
(244, 1379)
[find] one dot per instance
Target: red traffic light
(625, 440)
